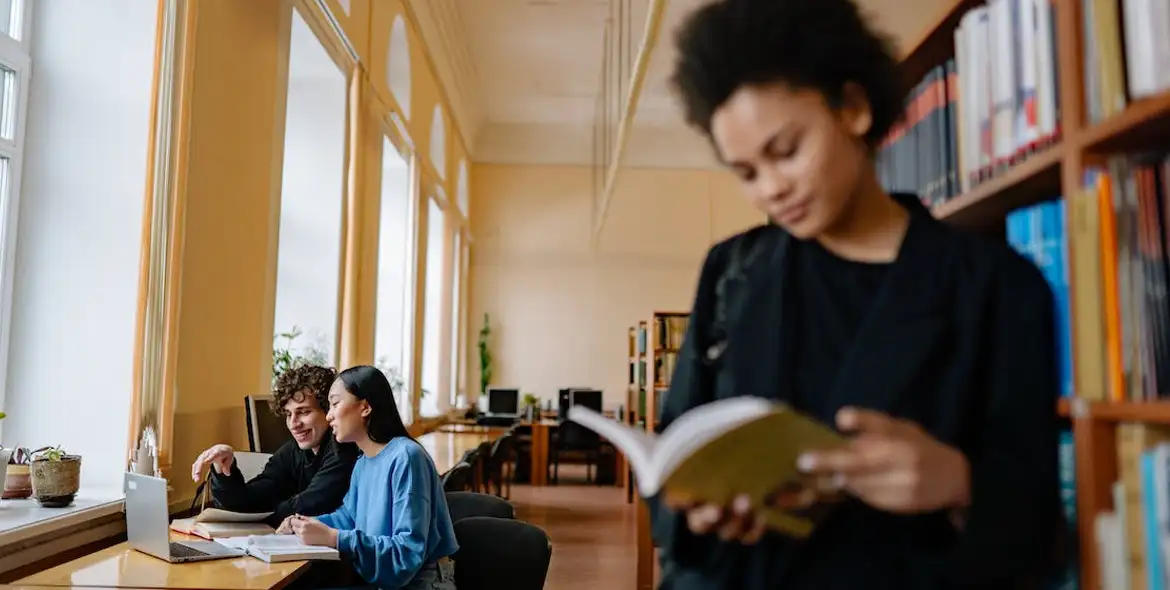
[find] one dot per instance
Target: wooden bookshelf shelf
(1156, 412)
(1142, 125)
(1032, 180)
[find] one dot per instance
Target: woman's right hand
(741, 521)
(736, 522)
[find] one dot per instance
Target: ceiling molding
(441, 28)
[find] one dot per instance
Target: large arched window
(439, 142)
(398, 65)
(463, 189)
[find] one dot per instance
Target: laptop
(148, 530)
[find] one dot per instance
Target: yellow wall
(560, 310)
(232, 194)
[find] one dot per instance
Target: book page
(217, 515)
(636, 444)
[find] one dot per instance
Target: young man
(308, 475)
(932, 349)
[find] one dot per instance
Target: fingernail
(838, 481)
(742, 504)
(846, 417)
(806, 462)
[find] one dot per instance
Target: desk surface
(447, 448)
(122, 567)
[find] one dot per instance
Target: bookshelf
(1093, 61)
(664, 335)
(636, 391)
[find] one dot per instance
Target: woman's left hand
(312, 532)
(894, 465)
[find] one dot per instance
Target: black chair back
(500, 553)
(463, 505)
(459, 478)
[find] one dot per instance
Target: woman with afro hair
(932, 350)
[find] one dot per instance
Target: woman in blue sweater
(393, 525)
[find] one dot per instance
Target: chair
(500, 553)
(468, 504)
(498, 469)
(458, 478)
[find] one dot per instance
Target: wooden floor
(592, 532)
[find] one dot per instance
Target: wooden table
(447, 448)
(122, 567)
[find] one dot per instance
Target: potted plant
(485, 355)
(531, 406)
(56, 477)
(18, 477)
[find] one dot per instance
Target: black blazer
(961, 341)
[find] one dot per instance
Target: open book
(719, 450)
(214, 523)
(277, 548)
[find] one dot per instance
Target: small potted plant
(18, 478)
(56, 477)
(531, 409)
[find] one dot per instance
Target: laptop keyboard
(180, 550)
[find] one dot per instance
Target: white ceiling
(537, 68)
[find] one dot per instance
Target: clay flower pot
(17, 482)
(55, 483)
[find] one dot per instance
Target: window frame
(17, 56)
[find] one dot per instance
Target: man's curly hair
(292, 385)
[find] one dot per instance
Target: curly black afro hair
(817, 45)
(292, 385)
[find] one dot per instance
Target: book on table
(214, 523)
(278, 548)
(723, 449)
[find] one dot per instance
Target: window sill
(31, 534)
(26, 518)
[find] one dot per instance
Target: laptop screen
(503, 401)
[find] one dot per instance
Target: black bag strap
(729, 293)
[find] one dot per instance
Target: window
(433, 311)
(309, 256)
(457, 398)
(393, 324)
(75, 244)
(14, 66)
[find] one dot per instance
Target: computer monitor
(564, 399)
(266, 430)
(503, 401)
(590, 398)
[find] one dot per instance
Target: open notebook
(277, 548)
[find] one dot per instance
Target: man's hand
(311, 532)
(285, 527)
(220, 457)
(894, 465)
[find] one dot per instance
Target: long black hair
(368, 383)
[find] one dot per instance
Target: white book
(1027, 60)
(720, 450)
(1046, 91)
(278, 548)
(963, 108)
